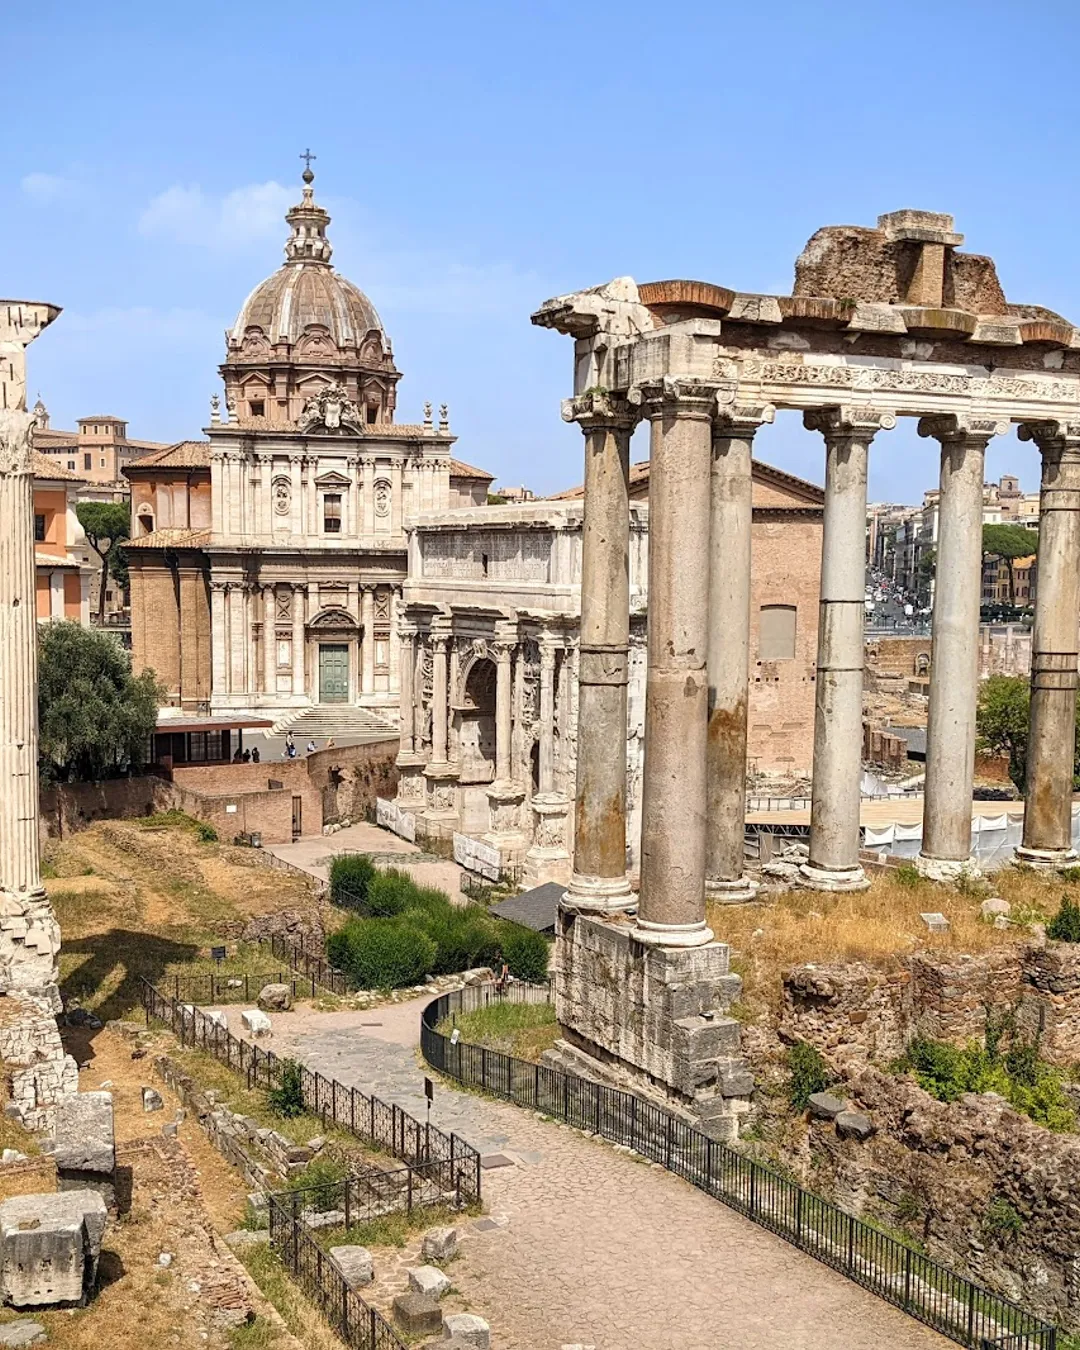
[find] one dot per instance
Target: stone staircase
(345, 722)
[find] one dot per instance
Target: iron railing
(216, 987)
(362, 1114)
(927, 1290)
(357, 1323)
(310, 965)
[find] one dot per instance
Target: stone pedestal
(441, 816)
(548, 859)
(506, 800)
(652, 1019)
(412, 784)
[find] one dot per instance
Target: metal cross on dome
(307, 157)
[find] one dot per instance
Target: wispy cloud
(188, 215)
(46, 188)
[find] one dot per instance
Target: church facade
(296, 575)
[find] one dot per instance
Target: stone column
(671, 911)
(408, 712)
(834, 816)
(599, 881)
(547, 718)
(218, 635)
(367, 501)
(298, 639)
(29, 935)
(237, 640)
(503, 708)
(270, 642)
(441, 815)
(410, 761)
(731, 519)
(954, 669)
(367, 656)
(439, 640)
(296, 501)
(548, 858)
(1047, 838)
(505, 795)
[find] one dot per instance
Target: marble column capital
(734, 419)
(1056, 438)
(966, 429)
(679, 395)
(16, 442)
(597, 410)
(848, 423)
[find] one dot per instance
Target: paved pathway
(313, 854)
(594, 1247)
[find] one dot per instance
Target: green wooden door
(333, 673)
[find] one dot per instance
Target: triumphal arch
(883, 323)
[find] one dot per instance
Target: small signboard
(217, 953)
(429, 1089)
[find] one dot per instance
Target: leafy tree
(1065, 925)
(95, 717)
(1001, 723)
(1009, 542)
(106, 525)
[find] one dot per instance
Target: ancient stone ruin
(882, 323)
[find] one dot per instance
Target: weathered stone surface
(417, 1314)
(41, 1074)
(152, 1100)
(49, 1247)
(247, 1237)
(275, 998)
(989, 909)
(85, 1140)
(467, 1328)
(854, 1125)
(256, 1022)
(440, 1244)
(18, 1334)
(356, 1265)
(825, 1106)
(428, 1280)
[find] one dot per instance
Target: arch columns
(730, 526)
(834, 815)
(599, 882)
(954, 668)
(1047, 840)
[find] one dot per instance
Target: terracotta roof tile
(182, 455)
(170, 538)
(45, 467)
(459, 469)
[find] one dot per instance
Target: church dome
(307, 293)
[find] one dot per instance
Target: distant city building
(97, 452)
(62, 577)
(514, 494)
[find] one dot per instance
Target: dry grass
(524, 1030)
(878, 926)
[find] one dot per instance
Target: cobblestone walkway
(589, 1246)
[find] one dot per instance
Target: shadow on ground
(133, 956)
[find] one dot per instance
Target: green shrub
(287, 1099)
(381, 953)
(808, 1073)
(390, 892)
(1065, 925)
(350, 876)
(1002, 1218)
(205, 833)
(908, 875)
(526, 954)
(322, 1181)
(463, 937)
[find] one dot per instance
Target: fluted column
(367, 655)
(547, 718)
(298, 639)
(954, 668)
(408, 710)
(218, 640)
(671, 910)
(1047, 838)
(238, 639)
(269, 642)
(29, 935)
(439, 640)
(503, 709)
(599, 881)
(834, 816)
(730, 527)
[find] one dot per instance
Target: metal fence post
(907, 1277)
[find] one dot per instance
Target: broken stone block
(854, 1125)
(937, 923)
(356, 1265)
(247, 1237)
(85, 1141)
(825, 1106)
(21, 1333)
(12, 1155)
(49, 1247)
(990, 909)
(440, 1244)
(256, 1022)
(217, 1019)
(417, 1314)
(428, 1280)
(468, 1329)
(152, 1100)
(275, 998)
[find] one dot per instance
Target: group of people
(251, 756)
(290, 747)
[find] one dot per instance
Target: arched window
(776, 633)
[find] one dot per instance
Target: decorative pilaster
(599, 882)
(269, 596)
(505, 796)
(834, 816)
(218, 639)
(671, 910)
(411, 783)
(730, 532)
(298, 641)
(954, 667)
(367, 655)
(1047, 838)
(548, 858)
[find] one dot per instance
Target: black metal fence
(359, 1325)
(310, 965)
(216, 987)
(384, 1125)
(948, 1302)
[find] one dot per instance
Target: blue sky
(478, 157)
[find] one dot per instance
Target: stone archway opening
(476, 731)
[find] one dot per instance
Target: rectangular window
(332, 512)
(88, 461)
(71, 465)
(103, 461)
(258, 407)
(39, 529)
(372, 413)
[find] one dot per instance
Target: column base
(441, 817)
(826, 879)
(1047, 858)
(598, 895)
(505, 800)
(412, 786)
(672, 934)
(548, 858)
(946, 869)
(737, 891)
